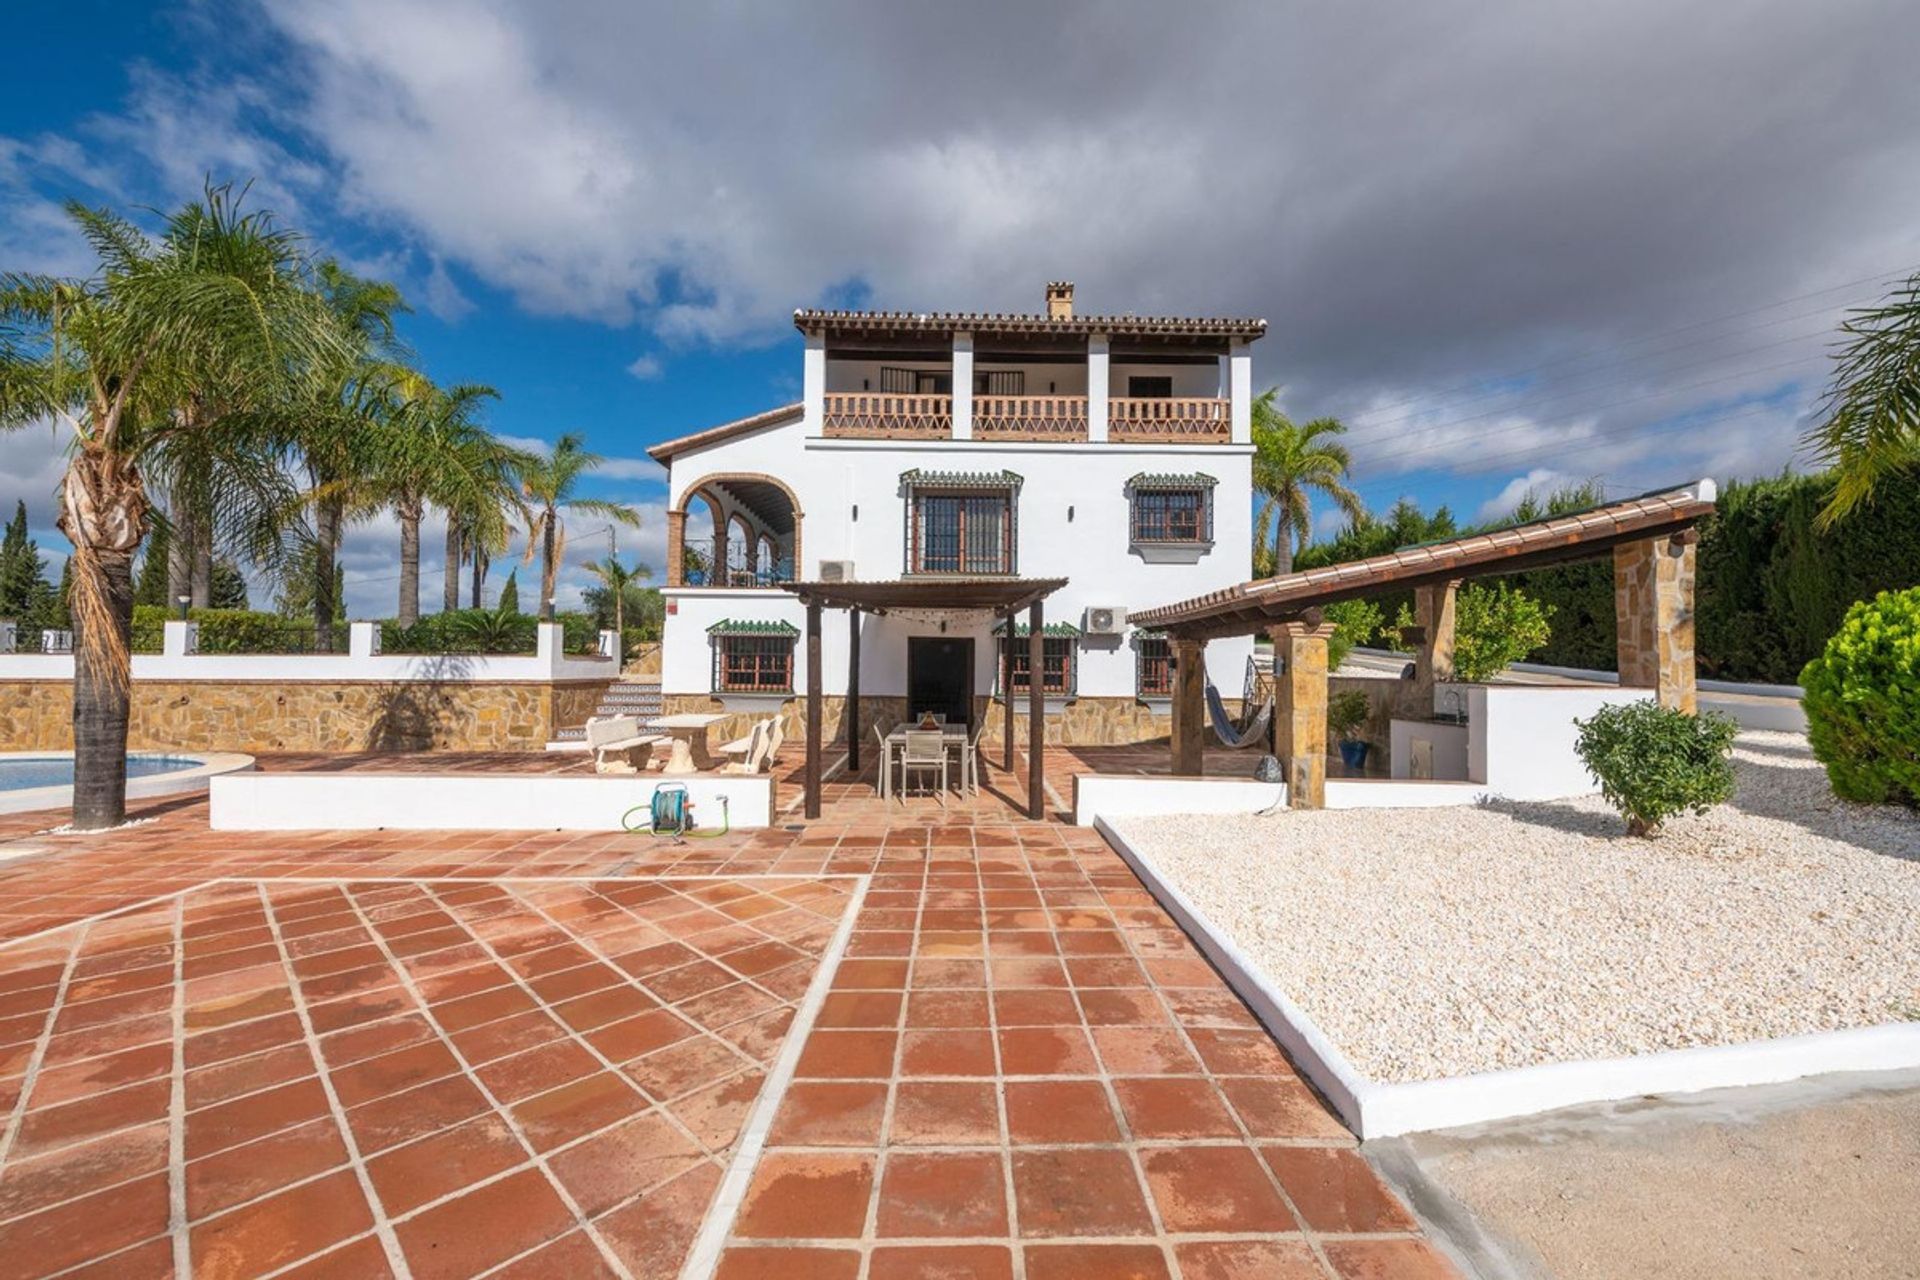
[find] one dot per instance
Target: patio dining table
(689, 729)
(894, 745)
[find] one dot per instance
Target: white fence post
(550, 646)
(610, 644)
(9, 636)
(179, 638)
(363, 639)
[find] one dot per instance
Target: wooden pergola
(1001, 596)
(1651, 539)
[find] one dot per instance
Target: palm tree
(219, 301)
(618, 578)
(549, 483)
(1289, 463)
(432, 448)
(1871, 433)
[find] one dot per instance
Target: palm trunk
(479, 570)
(102, 700)
(327, 536)
(1283, 552)
(450, 599)
(180, 556)
(202, 591)
(546, 571)
(409, 610)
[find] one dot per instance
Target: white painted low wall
(1520, 737)
(1376, 1110)
(1755, 706)
(452, 802)
(1401, 793)
(1124, 795)
(362, 662)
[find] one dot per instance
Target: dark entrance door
(940, 678)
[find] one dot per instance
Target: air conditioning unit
(1106, 621)
(836, 571)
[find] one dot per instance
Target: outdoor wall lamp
(183, 602)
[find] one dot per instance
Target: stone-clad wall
(1081, 722)
(37, 715)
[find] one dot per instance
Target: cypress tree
(23, 581)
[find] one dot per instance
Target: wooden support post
(1036, 714)
(1433, 660)
(1300, 709)
(1189, 706)
(1006, 689)
(813, 709)
(853, 692)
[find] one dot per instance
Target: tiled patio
(535, 1054)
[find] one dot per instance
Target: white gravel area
(1439, 942)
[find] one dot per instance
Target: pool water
(57, 771)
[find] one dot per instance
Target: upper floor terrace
(1055, 377)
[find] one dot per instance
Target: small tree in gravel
(1654, 761)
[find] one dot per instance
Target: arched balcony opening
(734, 530)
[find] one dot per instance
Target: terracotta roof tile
(666, 450)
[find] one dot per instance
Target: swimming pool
(20, 772)
(31, 780)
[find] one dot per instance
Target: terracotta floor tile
(1214, 1189)
(1247, 1260)
(574, 1110)
(44, 1128)
(402, 1117)
(254, 1116)
(1035, 1008)
(1280, 1108)
(1138, 1051)
(848, 1055)
(1388, 1260)
(1038, 1051)
(796, 1196)
(941, 1195)
(776, 1263)
(944, 1112)
(714, 1114)
(1240, 1053)
(536, 1070)
(1174, 1108)
(362, 1259)
(947, 1053)
(941, 1262)
(484, 1227)
(1095, 1262)
(98, 1075)
(224, 1081)
(1059, 1111)
(680, 1068)
(1337, 1190)
(623, 1161)
(284, 1228)
(29, 1185)
(1091, 1192)
(652, 1234)
(407, 1177)
(948, 1008)
(574, 1256)
(880, 975)
(90, 1227)
(830, 1114)
(372, 1078)
(641, 1034)
(243, 1173)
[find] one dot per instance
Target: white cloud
(647, 367)
(1538, 483)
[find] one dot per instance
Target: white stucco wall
(1073, 518)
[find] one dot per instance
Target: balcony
(881, 415)
(1029, 417)
(705, 562)
(1169, 419)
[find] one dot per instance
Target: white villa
(1106, 459)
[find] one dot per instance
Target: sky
(1511, 245)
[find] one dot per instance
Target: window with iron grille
(1056, 665)
(753, 664)
(962, 533)
(1153, 666)
(1172, 515)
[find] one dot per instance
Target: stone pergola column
(1433, 660)
(1189, 706)
(1300, 709)
(1653, 617)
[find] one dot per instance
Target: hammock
(1223, 726)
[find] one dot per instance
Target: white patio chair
(741, 745)
(970, 759)
(757, 755)
(925, 751)
(882, 763)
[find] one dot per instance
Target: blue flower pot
(1354, 754)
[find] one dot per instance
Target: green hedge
(230, 630)
(1863, 701)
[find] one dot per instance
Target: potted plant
(1346, 712)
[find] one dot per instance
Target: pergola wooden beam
(1036, 711)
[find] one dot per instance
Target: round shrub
(1862, 697)
(1654, 761)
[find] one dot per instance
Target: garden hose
(681, 830)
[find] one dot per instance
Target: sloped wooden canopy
(1580, 535)
(993, 594)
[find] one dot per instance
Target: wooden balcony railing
(1030, 417)
(876, 415)
(1179, 419)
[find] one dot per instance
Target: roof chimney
(1060, 300)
